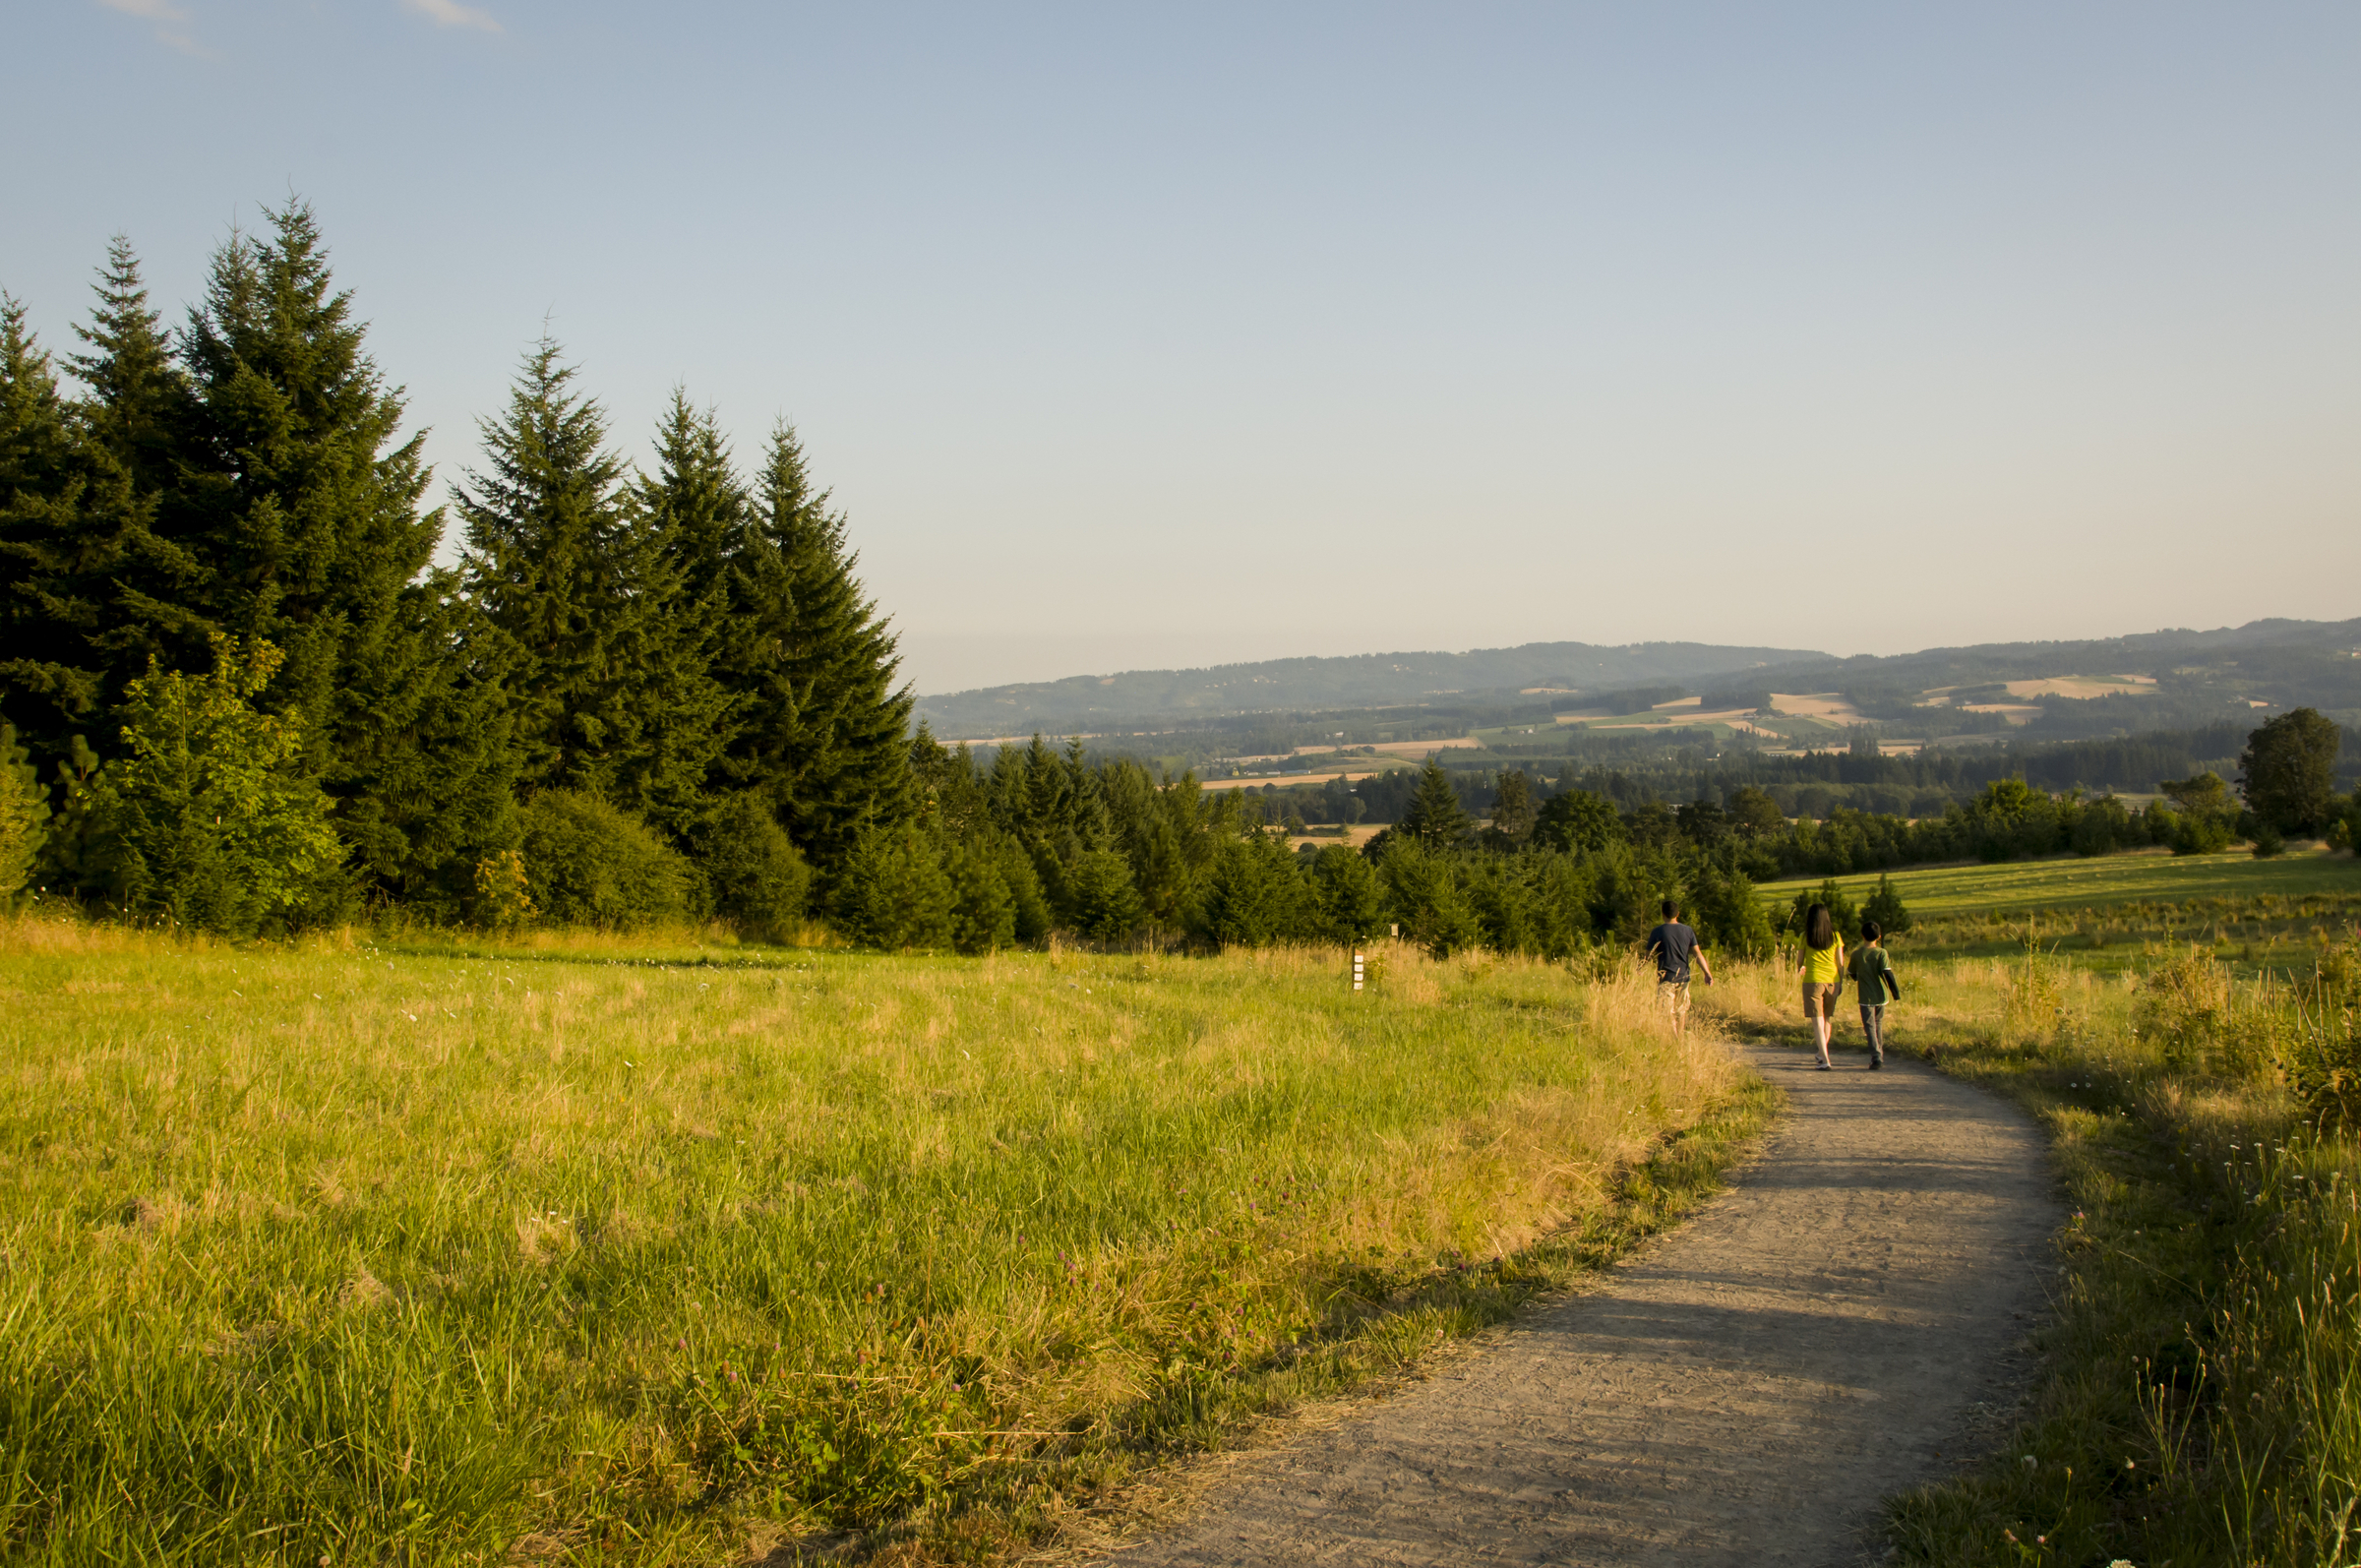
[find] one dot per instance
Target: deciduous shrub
(24, 815)
(503, 894)
(589, 863)
(210, 820)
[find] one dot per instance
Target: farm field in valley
(2255, 914)
(642, 1252)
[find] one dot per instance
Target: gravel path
(1839, 1325)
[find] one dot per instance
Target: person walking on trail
(1823, 971)
(1674, 946)
(1873, 976)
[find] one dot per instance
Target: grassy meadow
(2119, 912)
(587, 1250)
(2199, 1400)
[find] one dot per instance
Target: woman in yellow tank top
(1822, 968)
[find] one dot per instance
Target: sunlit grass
(633, 1249)
(2119, 912)
(2070, 881)
(2201, 1395)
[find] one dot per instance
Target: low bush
(754, 873)
(588, 863)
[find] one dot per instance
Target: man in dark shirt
(1674, 947)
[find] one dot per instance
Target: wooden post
(1356, 971)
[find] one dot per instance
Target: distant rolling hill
(1084, 702)
(2192, 675)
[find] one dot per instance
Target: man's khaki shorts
(1819, 1000)
(1673, 997)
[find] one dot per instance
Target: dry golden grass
(633, 1244)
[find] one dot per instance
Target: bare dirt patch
(1828, 705)
(1352, 775)
(2087, 685)
(1849, 1321)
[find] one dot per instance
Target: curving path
(1823, 1334)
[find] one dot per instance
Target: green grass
(2199, 1398)
(2140, 876)
(2123, 912)
(613, 1252)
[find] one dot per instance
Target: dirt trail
(1838, 1326)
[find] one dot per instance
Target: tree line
(240, 694)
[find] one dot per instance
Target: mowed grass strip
(337, 1254)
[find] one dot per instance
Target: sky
(1132, 337)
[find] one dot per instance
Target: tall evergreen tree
(730, 585)
(38, 499)
(828, 730)
(605, 659)
(294, 488)
(1434, 817)
(100, 591)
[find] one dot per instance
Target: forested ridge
(240, 695)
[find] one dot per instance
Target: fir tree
(1434, 817)
(607, 673)
(729, 584)
(830, 732)
(100, 592)
(893, 892)
(293, 487)
(138, 399)
(37, 501)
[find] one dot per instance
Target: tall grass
(340, 1253)
(2200, 1399)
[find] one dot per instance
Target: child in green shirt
(1873, 973)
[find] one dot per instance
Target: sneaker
(1876, 1063)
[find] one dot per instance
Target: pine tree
(608, 676)
(893, 892)
(830, 732)
(730, 587)
(38, 494)
(1434, 817)
(294, 489)
(99, 592)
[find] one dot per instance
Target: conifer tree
(293, 488)
(829, 733)
(38, 497)
(608, 675)
(138, 397)
(1434, 817)
(98, 591)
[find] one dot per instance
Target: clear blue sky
(1134, 336)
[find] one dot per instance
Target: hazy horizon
(1140, 340)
